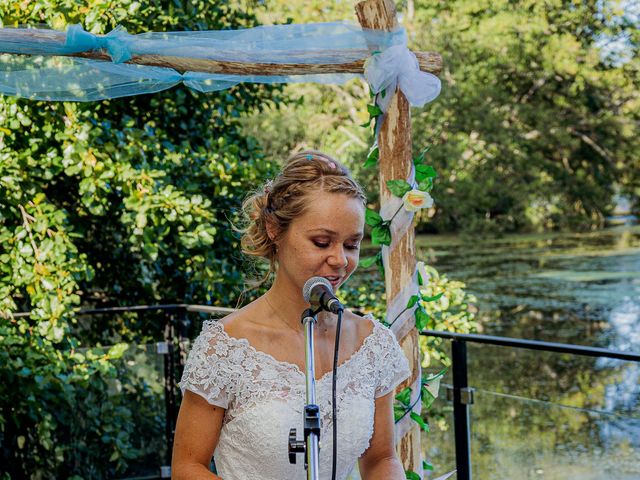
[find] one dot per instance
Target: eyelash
(325, 245)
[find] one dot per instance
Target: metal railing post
(169, 386)
(462, 398)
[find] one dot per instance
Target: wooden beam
(428, 61)
(394, 143)
(352, 61)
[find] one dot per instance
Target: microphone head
(313, 282)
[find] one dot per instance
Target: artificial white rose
(415, 199)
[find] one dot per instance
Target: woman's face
(324, 241)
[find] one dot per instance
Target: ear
(272, 230)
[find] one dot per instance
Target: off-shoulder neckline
(292, 366)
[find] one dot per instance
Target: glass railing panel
(514, 437)
(543, 415)
(134, 399)
(438, 445)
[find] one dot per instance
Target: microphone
(319, 293)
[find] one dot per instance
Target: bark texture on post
(394, 143)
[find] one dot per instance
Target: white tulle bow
(398, 66)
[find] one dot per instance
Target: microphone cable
(333, 396)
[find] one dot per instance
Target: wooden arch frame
(395, 162)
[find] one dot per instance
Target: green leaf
(398, 187)
(426, 185)
(366, 262)
(412, 475)
(427, 398)
(413, 300)
(434, 298)
(374, 110)
(422, 319)
(372, 157)
(427, 466)
(431, 388)
(398, 411)
(118, 350)
(425, 171)
(404, 396)
(381, 234)
(420, 421)
(372, 218)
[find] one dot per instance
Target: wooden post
(394, 143)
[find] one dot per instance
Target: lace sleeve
(393, 366)
(208, 370)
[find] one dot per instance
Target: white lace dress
(264, 398)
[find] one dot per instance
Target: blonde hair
(279, 201)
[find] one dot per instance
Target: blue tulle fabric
(35, 69)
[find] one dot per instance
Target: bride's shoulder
(240, 324)
(364, 324)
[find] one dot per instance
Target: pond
(544, 415)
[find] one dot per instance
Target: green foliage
(372, 218)
(398, 187)
(374, 112)
(72, 411)
(446, 306)
(443, 305)
(402, 403)
(110, 203)
(372, 157)
(381, 234)
(410, 475)
(366, 262)
(380, 228)
(121, 201)
(536, 125)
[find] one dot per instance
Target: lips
(333, 279)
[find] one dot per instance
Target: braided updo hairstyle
(284, 198)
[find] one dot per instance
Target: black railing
(177, 325)
(463, 395)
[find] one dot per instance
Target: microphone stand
(311, 443)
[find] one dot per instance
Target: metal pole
(310, 445)
(313, 468)
(169, 385)
(462, 398)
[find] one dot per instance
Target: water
(544, 415)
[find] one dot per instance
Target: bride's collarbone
(287, 346)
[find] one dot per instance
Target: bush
(109, 203)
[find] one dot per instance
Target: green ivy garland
(381, 235)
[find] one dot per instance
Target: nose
(338, 257)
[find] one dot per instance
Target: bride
(244, 384)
